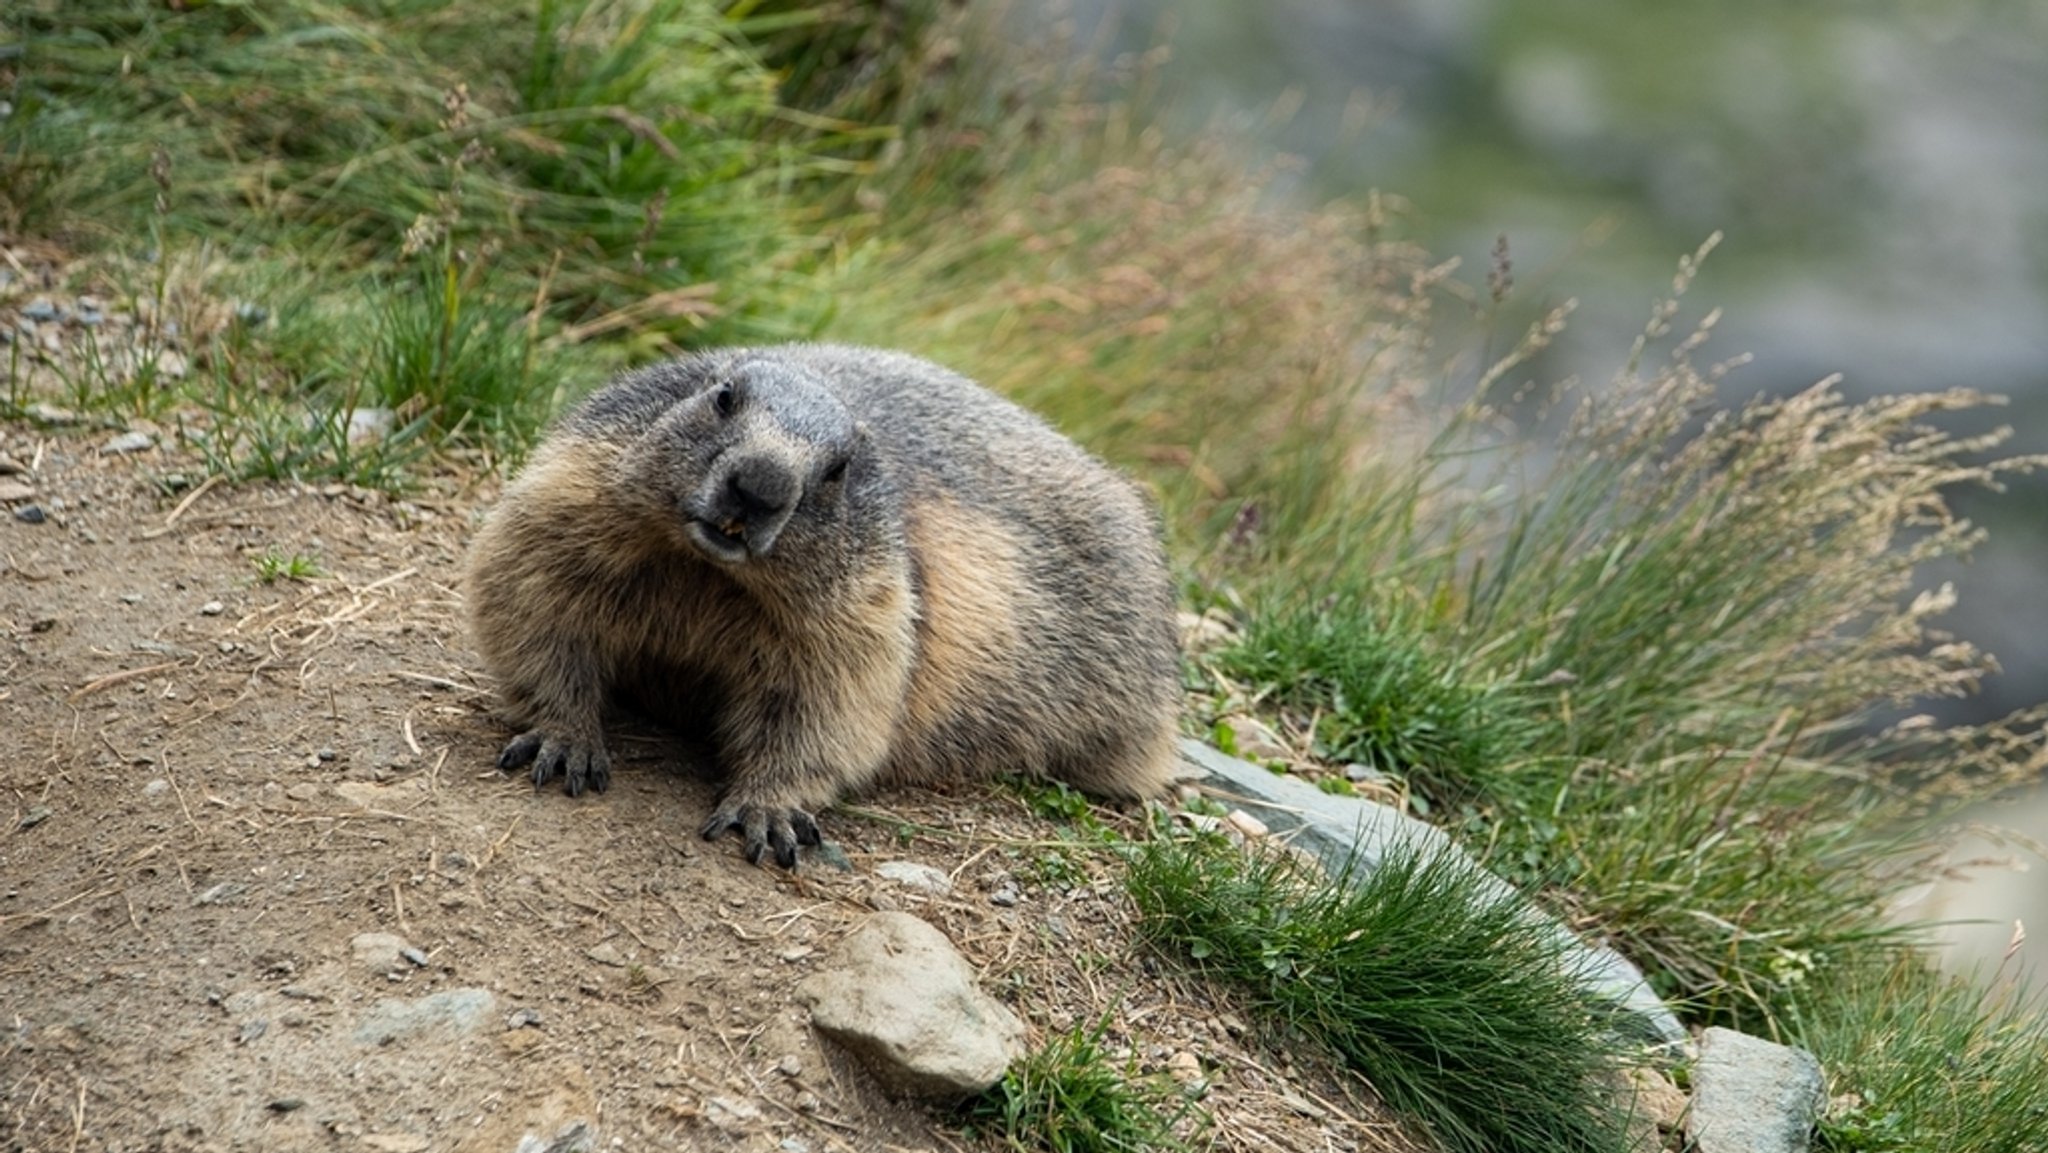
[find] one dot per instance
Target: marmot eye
(837, 472)
(723, 400)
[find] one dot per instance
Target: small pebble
(1005, 896)
(35, 816)
(156, 788)
(287, 1104)
(325, 754)
(1247, 824)
(790, 1066)
(253, 1030)
(415, 955)
(131, 598)
(128, 442)
(212, 609)
(523, 1019)
(31, 514)
(39, 310)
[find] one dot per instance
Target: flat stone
(913, 875)
(382, 953)
(451, 1013)
(899, 997)
(1358, 834)
(11, 490)
(128, 442)
(1750, 1095)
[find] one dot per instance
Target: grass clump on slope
(1446, 994)
(1068, 1096)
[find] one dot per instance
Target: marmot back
(846, 566)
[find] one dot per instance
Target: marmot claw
(580, 763)
(779, 827)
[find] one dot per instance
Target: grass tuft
(1070, 1097)
(1453, 1002)
(1919, 1060)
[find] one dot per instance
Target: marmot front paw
(780, 827)
(579, 762)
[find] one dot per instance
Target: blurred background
(1879, 170)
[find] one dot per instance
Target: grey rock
(382, 953)
(212, 609)
(899, 997)
(39, 310)
(1753, 1096)
(454, 1012)
(912, 875)
(1358, 834)
(128, 442)
(35, 816)
(576, 1137)
(31, 514)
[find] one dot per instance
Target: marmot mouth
(724, 540)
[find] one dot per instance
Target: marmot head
(760, 463)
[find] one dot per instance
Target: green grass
(1069, 1096)
(1456, 1006)
(1381, 696)
(274, 564)
(1923, 1061)
(619, 156)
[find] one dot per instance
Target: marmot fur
(847, 566)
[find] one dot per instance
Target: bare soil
(211, 785)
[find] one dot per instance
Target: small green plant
(274, 565)
(1452, 1000)
(1070, 1097)
(1056, 801)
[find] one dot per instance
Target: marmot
(847, 566)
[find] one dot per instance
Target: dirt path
(212, 786)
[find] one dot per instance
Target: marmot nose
(759, 489)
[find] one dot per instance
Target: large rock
(1358, 834)
(899, 996)
(1752, 1096)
